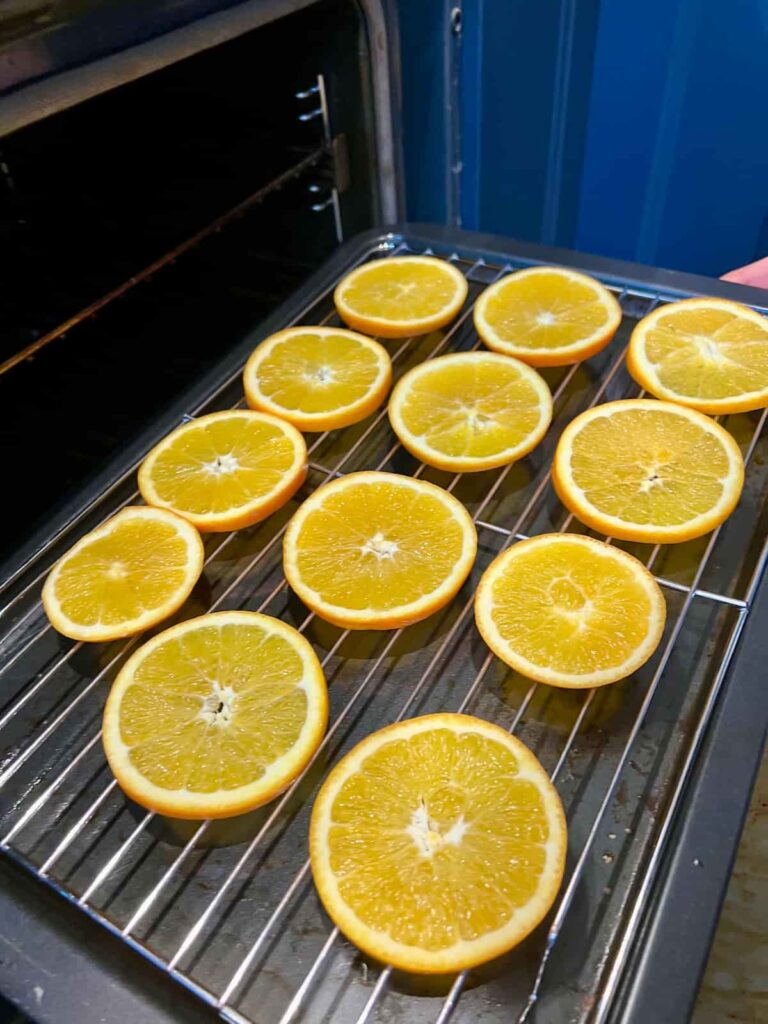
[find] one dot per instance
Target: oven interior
(219, 182)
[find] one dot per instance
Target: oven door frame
(65, 75)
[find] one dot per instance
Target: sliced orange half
(708, 354)
(470, 411)
(318, 378)
(401, 296)
(378, 550)
(648, 471)
(547, 316)
(438, 843)
(125, 576)
(225, 471)
(570, 611)
(215, 716)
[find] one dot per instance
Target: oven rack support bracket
(336, 150)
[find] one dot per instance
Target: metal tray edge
(663, 974)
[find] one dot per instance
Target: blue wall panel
(578, 26)
(676, 167)
(714, 213)
(631, 52)
(425, 125)
(518, 48)
(629, 130)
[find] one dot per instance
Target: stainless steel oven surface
(228, 909)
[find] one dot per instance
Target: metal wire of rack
(232, 915)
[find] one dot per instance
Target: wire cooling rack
(228, 908)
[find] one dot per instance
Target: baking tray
(228, 909)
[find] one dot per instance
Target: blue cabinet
(630, 130)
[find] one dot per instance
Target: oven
(208, 197)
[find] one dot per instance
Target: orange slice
(438, 843)
(708, 354)
(648, 471)
(318, 378)
(125, 576)
(225, 471)
(215, 716)
(378, 551)
(570, 611)
(547, 316)
(470, 411)
(401, 296)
